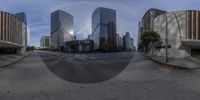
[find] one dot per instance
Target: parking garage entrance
(194, 46)
(8, 51)
(195, 51)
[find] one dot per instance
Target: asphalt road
(141, 79)
(86, 68)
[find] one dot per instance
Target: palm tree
(148, 40)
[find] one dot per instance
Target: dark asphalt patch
(81, 69)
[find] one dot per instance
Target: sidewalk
(180, 63)
(9, 59)
(141, 70)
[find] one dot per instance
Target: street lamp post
(166, 40)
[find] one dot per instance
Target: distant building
(127, 42)
(148, 19)
(132, 44)
(147, 22)
(117, 40)
(90, 37)
(45, 42)
(78, 46)
(61, 28)
(13, 33)
(104, 27)
(28, 35)
(120, 42)
(183, 33)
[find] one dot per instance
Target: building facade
(139, 32)
(127, 42)
(13, 34)
(147, 21)
(22, 16)
(78, 46)
(61, 28)
(89, 37)
(117, 40)
(132, 44)
(45, 42)
(181, 30)
(104, 27)
(120, 43)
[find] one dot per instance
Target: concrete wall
(176, 31)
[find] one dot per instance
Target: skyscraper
(61, 28)
(104, 27)
(127, 41)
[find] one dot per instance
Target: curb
(6, 65)
(170, 65)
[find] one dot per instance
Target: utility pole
(166, 40)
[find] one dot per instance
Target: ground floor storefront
(11, 48)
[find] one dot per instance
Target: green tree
(104, 47)
(148, 40)
(51, 48)
(28, 48)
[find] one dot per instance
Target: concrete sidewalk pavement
(140, 70)
(8, 59)
(178, 63)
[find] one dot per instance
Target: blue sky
(129, 12)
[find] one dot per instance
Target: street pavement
(34, 78)
(86, 68)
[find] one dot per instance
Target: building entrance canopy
(9, 45)
(191, 42)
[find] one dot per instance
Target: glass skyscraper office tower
(61, 28)
(104, 27)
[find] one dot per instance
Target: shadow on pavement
(86, 68)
